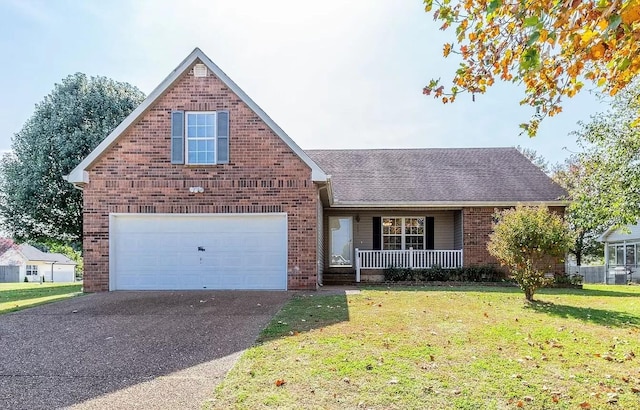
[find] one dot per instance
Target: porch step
(338, 279)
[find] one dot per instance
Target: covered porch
(411, 258)
(360, 244)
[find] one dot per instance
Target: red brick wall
(477, 226)
(264, 175)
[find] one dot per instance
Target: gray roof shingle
(35, 254)
(435, 175)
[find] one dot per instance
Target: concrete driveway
(126, 350)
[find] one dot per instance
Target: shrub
(483, 273)
(564, 279)
(393, 274)
(529, 241)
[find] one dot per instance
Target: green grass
(18, 296)
(449, 348)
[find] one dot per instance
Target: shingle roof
(449, 175)
(35, 254)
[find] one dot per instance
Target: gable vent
(200, 70)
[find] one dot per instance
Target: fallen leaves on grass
(280, 382)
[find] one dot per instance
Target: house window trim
(186, 138)
(332, 265)
(403, 234)
(31, 270)
(623, 245)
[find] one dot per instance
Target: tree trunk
(528, 294)
(579, 248)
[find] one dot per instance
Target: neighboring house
(622, 254)
(35, 265)
(199, 188)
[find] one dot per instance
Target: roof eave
(440, 204)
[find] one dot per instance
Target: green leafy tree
(585, 223)
(609, 184)
(529, 241)
(36, 203)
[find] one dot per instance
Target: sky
(333, 74)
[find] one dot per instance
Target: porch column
(357, 265)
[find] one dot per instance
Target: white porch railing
(410, 258)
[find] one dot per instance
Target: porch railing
(410, 258)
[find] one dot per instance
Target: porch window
(340, 241)
(32, 270)
(403, 233)
(623, 254)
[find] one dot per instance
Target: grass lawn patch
(17, 296)
(451, 348)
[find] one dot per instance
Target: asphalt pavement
(128, 350)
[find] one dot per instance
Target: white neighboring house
(35, 264)
(622, 254)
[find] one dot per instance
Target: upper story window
(200, 137)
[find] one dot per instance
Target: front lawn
(17, 296)
(429, 347)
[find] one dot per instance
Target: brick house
(199, 189)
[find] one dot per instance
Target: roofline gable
(79, 175)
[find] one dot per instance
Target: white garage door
(197, 251)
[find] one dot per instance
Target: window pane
(620, 255)
(415, 242)
(392, 233)
(631, 255)
(612, 255)
(201, 138)
(340, 241)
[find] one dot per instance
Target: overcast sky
(332, 74)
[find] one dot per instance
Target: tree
(609, 187)
(529, 241)
(585, 224)
(533, 156)
(36, 203)
(6, 244)
(550, 46)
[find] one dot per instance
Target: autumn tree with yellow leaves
(553, 47)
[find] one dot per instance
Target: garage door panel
(164, 252)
